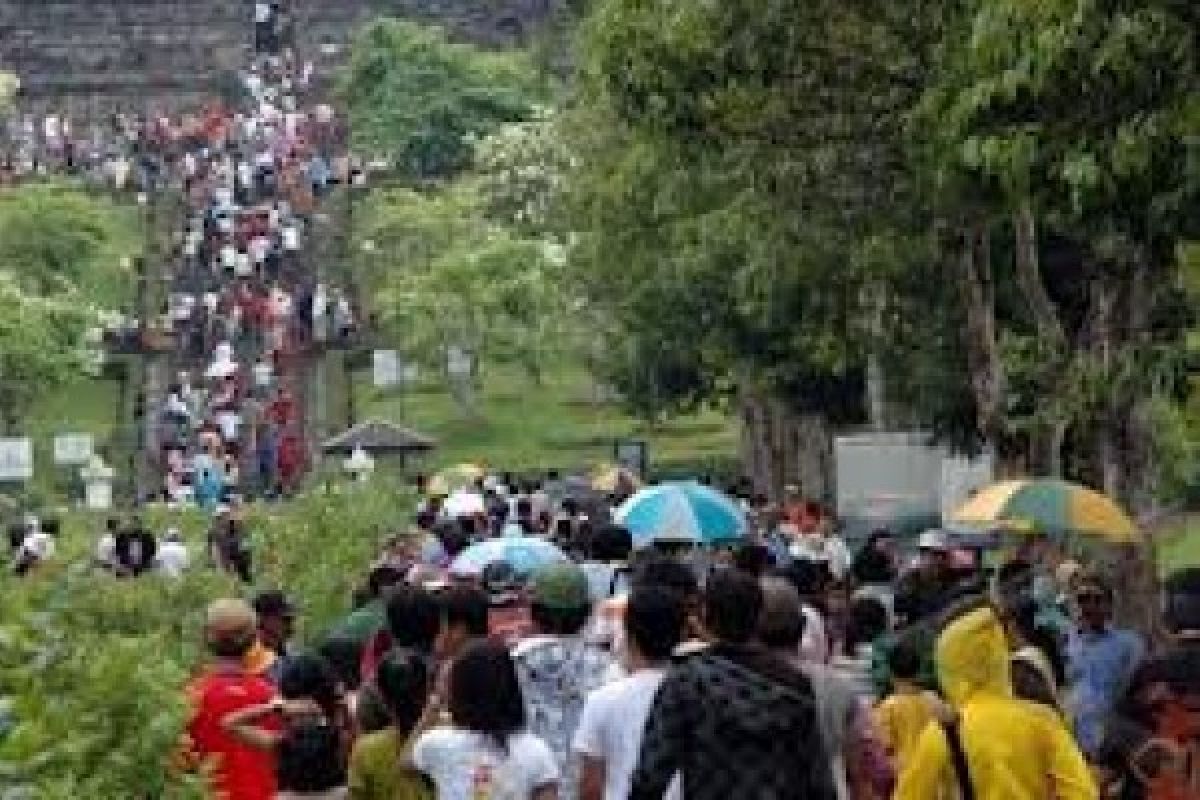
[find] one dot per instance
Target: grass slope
(518, 426)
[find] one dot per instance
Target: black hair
(382, 578)
(310, 756)
(611, 543)
(403, 683)
(781, 623)
(733, 602)
(1023, 616)
(452, 537)
(344, 656)
(904, 660)
(559, 621)
(309, 675)
(485, 695)
(871, 565)
(753, 559)
(466, 606)
(867, 621)
(654, 620)
(811, 578)
(233, 646)
(669, 573)
(414, 617)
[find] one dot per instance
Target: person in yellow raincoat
(1014, 749)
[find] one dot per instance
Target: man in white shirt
(172, 558)
(609, 736)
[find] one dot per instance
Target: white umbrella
(465, 504)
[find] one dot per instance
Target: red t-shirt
(239, 772)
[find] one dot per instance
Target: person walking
(994, 746)
(734, 719)
(238, 771)
(487, 751)
(1101, 659)
(558, 666)
(614, 716)
(377, 764)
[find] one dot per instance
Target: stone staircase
(89, 58)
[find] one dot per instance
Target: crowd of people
(789, 664)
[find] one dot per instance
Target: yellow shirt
(901, 718)
(379, 770)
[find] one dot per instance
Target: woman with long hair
(485, 750)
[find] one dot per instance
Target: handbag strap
(958, 757)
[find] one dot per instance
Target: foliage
(318, 546)
(93, 670)
(56, 237)
(455, 278)
(42, 346)
(416, 98)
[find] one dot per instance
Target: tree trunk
(780, 447)
(976, 288)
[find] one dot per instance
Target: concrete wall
(93, 56)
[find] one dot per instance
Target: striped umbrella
(686, 512)
(1050, 506)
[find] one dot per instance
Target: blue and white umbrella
(686, 512)
(526, 555)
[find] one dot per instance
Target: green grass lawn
(519, 426)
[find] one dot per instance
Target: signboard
(458, 362)
(633, 454)
(71, 449)
(16, 459)
(385, 368)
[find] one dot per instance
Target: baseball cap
(273, 603)
(563, 587)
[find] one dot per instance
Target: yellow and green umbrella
(1050, 506)
(456, 478)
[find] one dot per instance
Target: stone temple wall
(92, 57)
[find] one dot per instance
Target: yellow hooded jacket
(1015, 750)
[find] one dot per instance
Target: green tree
(734, 159)
(56, 237)
(416, 98)
(42, 346)
(1061, 143)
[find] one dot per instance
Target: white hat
(934, 539)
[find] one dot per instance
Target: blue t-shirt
(1099, 666)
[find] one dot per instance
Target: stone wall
(95, 56)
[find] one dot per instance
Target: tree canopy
(416, 98)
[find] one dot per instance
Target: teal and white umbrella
(686, 512)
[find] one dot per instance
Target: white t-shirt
(172, 558)
(291, 238)
(465, 765)
(229, 422)
(39, 545)
(611, 727)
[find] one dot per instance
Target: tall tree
(417, 98)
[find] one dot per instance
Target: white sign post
(385, 368)
(98, 484)
(458, 363)
(16, 459)
(72, 449)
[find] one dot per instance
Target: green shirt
(379, 770)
